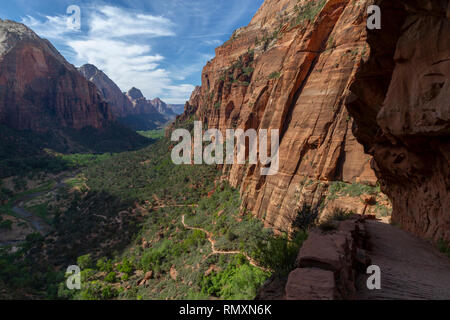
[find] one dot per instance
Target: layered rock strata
(290, 69)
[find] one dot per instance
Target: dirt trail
(215, 251)
(411, 268)
(175, 206)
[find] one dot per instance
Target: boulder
(310, 284)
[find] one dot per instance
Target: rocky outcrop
(121, 106)
(134, 94)
(400, 103)
(290, 69)
(310, 284)
(39, 89)
(328, 263)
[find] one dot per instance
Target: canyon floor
(411, 268)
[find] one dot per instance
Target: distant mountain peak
(89, 68)
(129, 107)
(157, 99)
(135, 94)
(37, 79)
(89, 71)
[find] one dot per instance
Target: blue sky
(159, 46)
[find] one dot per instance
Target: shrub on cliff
(85, 261)
(306, 218)
(275, 75)
(308, 12)
(279, 253)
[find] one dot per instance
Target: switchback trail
(175, 206)
(411, 268)
(215, 251)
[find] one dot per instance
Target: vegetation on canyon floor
(141, 227)
(120, 218)
(25, 153)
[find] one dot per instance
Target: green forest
(120, 218)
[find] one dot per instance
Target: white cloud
(54, 27)
(117, 43)
(214, 42)
(116, 22)
(178, 93)
(128, 65)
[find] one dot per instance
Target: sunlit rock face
(400, 102)
(290, 69)
(40, 89)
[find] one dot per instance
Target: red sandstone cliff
(290, 69)
(300, 65)
(40, 89)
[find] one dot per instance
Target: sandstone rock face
(400, 101)
(328, 261)
(39, 88)
(310, 284)
(290, 69)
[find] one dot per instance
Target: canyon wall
(125, 104)
(401, 106)
(39, 89)
(290, 69)
(118, 101)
